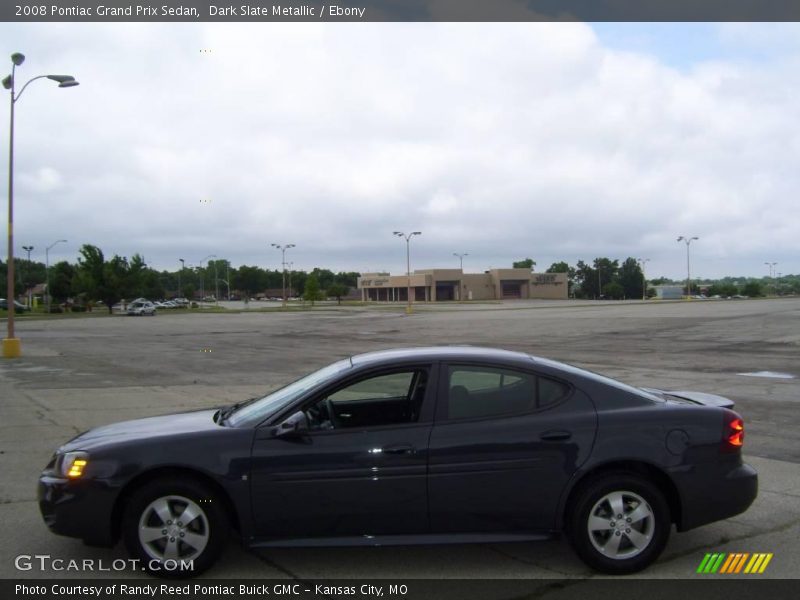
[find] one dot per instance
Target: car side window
(551, 392)
(378, 400)
(477, 392)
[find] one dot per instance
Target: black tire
(619, 546)
(207, 528)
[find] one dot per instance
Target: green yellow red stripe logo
(735, 563)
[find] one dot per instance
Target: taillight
(732, 432)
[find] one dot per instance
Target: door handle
(399, 449)
(555, 436)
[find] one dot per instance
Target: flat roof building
(435, 285)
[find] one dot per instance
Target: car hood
(150, 427)
(695, 397)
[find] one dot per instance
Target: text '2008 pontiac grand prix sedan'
(421, 445)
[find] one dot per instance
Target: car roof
(438, 353)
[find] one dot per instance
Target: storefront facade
(441, 285)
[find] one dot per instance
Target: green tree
(311, 292)
(348, 278)
(613, 290)
(631, 278)
(324, 277)
(188, 290)
(108, 281)
(563, 267)
(527, 263)
(150, 285)
(753, 289)
(61, 279)
(723, 289)
(251, 280)
(337, 290)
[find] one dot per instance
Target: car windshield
(257, 411)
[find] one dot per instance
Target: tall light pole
(688, 241)
(407, 238)
(461, 262)
(771, 266)
(203, 278)
(216, 285)
(47, 269)
(283, 250)
(183, 266)
(599, 287)
(642, 262)
(12, 347)
(28, 250)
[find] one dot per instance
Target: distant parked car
(18, 307)
(141, 308)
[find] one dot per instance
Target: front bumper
(80, 509)
(714, 492)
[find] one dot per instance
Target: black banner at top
(398, 10)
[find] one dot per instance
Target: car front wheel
(620, 523)
(175, 528)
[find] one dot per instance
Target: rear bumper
(713, 492)
(79, 509)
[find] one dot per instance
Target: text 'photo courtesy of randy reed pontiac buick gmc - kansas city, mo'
(411, 446)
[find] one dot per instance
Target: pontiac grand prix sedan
(411, 446)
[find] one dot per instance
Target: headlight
(73, 464)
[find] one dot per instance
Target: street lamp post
(203, 278)
(407, 238)
(283, 250)
(688, 241)
(461, 262)
(47, 270)
(771, 266)
(183, 266)
(12, 347)
(642, 262)
(28, 250)
(599, 286)
(216, 285)
(461, 259)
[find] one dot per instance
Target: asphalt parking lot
(77, 373)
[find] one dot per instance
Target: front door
(361, 469)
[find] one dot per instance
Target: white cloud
(501, 140)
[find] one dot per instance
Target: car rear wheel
(620, 523)
(175, 528)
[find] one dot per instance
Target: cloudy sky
(554, 141)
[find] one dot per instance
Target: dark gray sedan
(411, 446)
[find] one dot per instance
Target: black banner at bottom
(411, 589)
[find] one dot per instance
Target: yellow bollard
(12, 347)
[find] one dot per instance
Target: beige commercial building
(434, 285)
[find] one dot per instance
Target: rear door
(505, 443)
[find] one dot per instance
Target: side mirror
(293, 426)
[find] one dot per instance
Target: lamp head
(18, 58)
(398, 233)
(290, 245)
(416, 233)
(681, 238)
(7, 81)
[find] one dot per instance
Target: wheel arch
(170, 473)
(652, 473)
